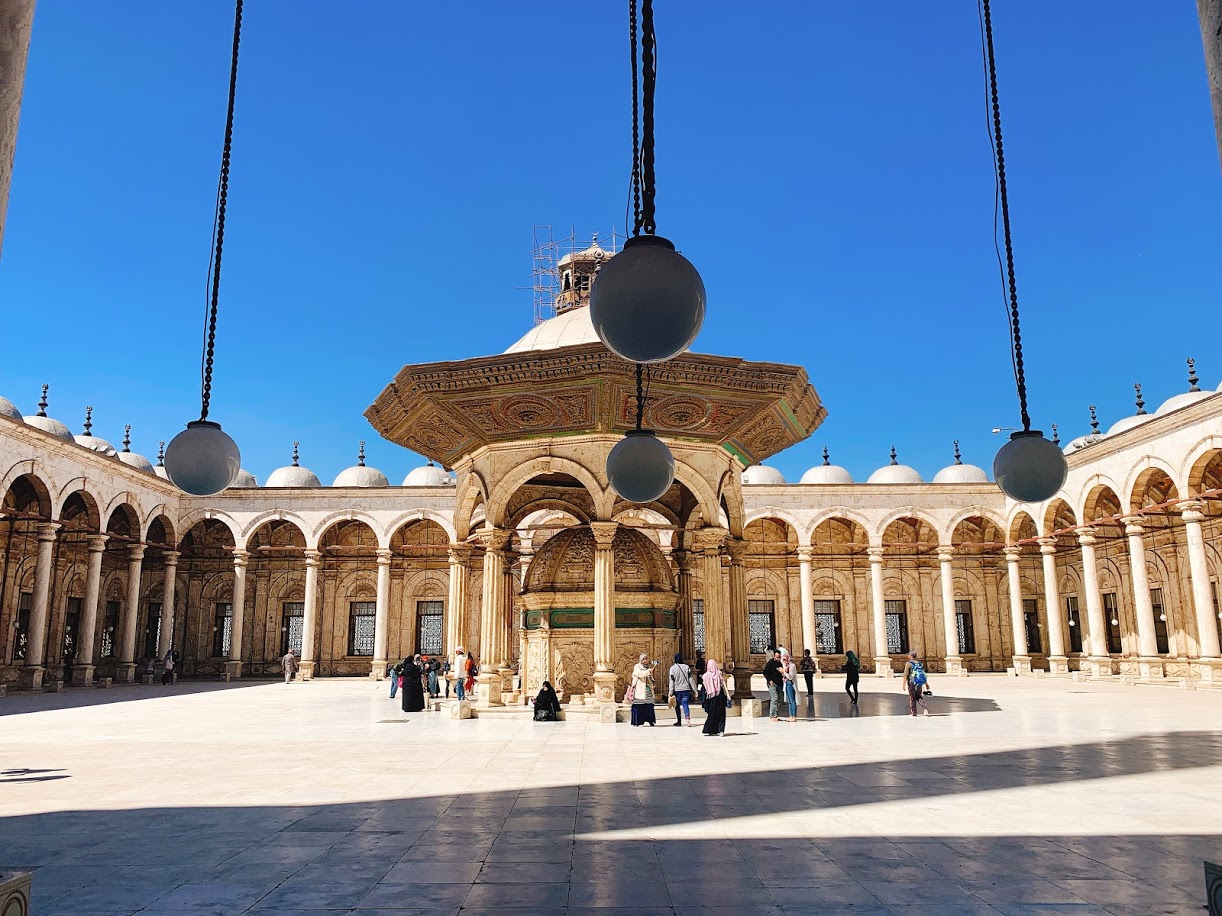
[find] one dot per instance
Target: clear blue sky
(825, 165)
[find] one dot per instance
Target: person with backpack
(394, 674)
(682, 690)
(916, 682)
(852, 675)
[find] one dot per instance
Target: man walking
(290, 665)
(915, 681)
(776, 685)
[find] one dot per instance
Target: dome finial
(42, 402)
(1192, 375)
(893, 461)
(430, 464)
(295, 457)
(88, 421)
(1094, 421)
(958, 457)
(127, 437)
(161, 454)
(1141, 404)
(826, 461)
(1056, 437)
(360, 455)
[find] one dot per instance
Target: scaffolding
(546, 253)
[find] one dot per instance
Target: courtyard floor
(1032, 797)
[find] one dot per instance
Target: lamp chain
(1016, 340)
(636, 123)
(640, 395)
(219, 232)
(644, 81)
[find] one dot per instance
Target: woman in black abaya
(547, 704)
(412, 690)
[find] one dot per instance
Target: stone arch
(275, 518)
(1153, 477)
(1203, 466)
(504, 489)
(980, 512)
(1022, 527)
(733, 508)
(79, 511)
(839, 536)
(908, 512)
(472, 492)
(189, 521)
(351, 515)
(779, 514)
(843, 513)
(160, 531)
(1101, 501)
(900, 529)
(37, 479)
(1058, 515)
(419, 515)
(521, 515)
(122, 520)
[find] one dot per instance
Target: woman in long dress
(412, 690)
(714, 700)
(789, 671)
(642, 693)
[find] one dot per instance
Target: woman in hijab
(714, 700)
(642, 692)
(547, 704)
(789, 671)
(412, 690)
(852, 673)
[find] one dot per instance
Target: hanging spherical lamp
(641, 467)
(647, 303)
(1029, 468)
(202, 459)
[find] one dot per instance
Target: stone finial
(88, 421)
(1094, 421)
(1193, 381)
(958, 457)
(127, 437)
(295, 456)
(1056, 436)
(893, 461)
(161, 454)
(1141, 404)
(42, 402)
(826, 460)
(360, 455)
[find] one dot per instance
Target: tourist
(472, 672)
(413, 685)
(394, 674)
(289, 664)
(445, 675)
(714, 700)
(430, 673)
(776, 685)
(852, 674)
(176, 668)
(681, 688)
(642, 692)
(69, 663)
(547, 704)
(167, 670)
(808, 668)
(789, 674)
(460, 673)
(915, 682)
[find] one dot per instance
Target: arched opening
(770, 549)
(982, 636)
(206, 568)
(419, 592)
(1102, 511)
(839, 588)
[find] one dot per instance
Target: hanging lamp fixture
(1028, 468)
(640, 466)
(646, 303)
(203, 460)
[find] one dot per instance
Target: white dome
(567, 330)
(1126, 423)
(293, 476)
(51, 426)
(361, 476)
(8, 409)
(759, 475)
(428, 476)
(139, 462)
(827, 474)
(1082, 442)
(94, 444)
(1183, 399)
(961, 473)
(244, 481)
(895, 473)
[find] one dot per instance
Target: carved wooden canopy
(446, 410)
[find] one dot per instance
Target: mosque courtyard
(1014, 796)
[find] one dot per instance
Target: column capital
(460, 554)
(737, 549)
(1191, 510)
(1133, 525)
(313, 557)
(604, 533)
(494, 539)
(97, 542)
(48, 530)
(385, 555)
(1048, 545)
(1086, 536)
(711, 539)
(170, 557)
(806, 554)
(876, 554)
(1013, 553)
(683, 559)
(946, 553)
(135, 553)
(240, 557)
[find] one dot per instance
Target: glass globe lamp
(1029, 468)
(202, 459)
(641, 467)
(647, 302)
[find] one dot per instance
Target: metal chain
(649, 74)
(640, 395)
(636, 123)
(1016, 339)
(222, 200)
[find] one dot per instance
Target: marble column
(1100, 661)
(456, 605)
(810, 632)
(83, 667)
(687, 615)
(309, 620)
(954, 661)
(604, 610)
(1058, 663)
(125, 670)
(1022, 660)
(35, 666)
(740, 619)
(716, 627)
(488, 682)
(505, 643)
(1209, 666)
(233, 666)
(1148, 661)
(377, 669)
(166, 640)
(882, 658)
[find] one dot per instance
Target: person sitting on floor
(547, 704)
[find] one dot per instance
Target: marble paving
(1014, 797)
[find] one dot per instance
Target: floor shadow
(18, 702)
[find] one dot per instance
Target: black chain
(1016, 339)
(640, 395)
(222, 200)
(649, 74)
(636, 124)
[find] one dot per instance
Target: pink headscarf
(712, 679)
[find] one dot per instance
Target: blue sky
(825, 166)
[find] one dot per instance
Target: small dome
(1082, 442)
(567, 330)
(827, 474)
(50, 426)
(1184, 398)
(244, 481)
(1127, 423)
(759, 475)
(428, 476)
(361, 476)
(8, 409)
(895, 473)
(294, 475)
(94, 444)
(961, 473)
(139, 462)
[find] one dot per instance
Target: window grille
(21, 638)
(1031, 622)
(222, 630)
(762, 627)
(430, 628)
(965, 627)
(828, 637)
(152, 631)
(292, 627)
(698, 623)
(361, 628)
(897, 626)
(110, 629)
